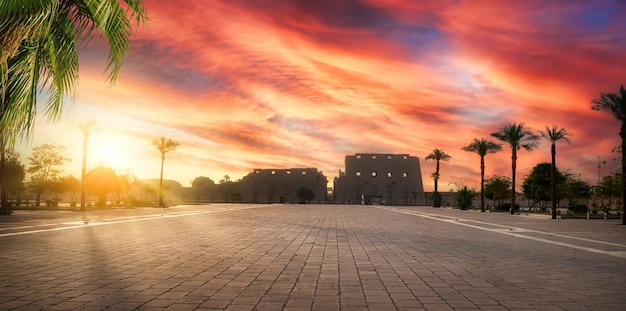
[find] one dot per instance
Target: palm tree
(517, 137)
(554, 134)
(437, 155)
(86, 128)
(615, 103)
(164, 146)
(38, 49)
(482, 147)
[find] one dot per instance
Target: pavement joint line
(510, 232)
(88, 223)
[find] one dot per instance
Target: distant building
(375, 178)
(281, 185)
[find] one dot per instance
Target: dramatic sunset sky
(281, 84)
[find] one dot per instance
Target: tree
(576, 188)
(86, 128)
(555, 134)
(498, 188)
(538, 184)
(437, 155)
(72, 185)
(305, 195)
(225, 180)
(38, 42)
(164, 146)
(615, 103)
(44, 163)
(12, 177)
(482, 147)
(517, 136)
(101, 181)
(201, 184)
(609, 187)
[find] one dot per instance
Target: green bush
(506, 206)
(464, 197)
(576, 208)
(436, 198)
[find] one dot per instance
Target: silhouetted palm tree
(615, 103)
(482, 147)
(554, 134)
(437, 155)
(85, 128)
(164, 146)
(517, 137)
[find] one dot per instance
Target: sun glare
(108, 149)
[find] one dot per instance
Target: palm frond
(613, 103)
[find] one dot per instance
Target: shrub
(464, 197)
(505, 206)
(436, 198)
(576, 208)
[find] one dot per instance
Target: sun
(110, 150)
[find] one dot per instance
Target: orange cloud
(244, 85)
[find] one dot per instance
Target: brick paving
(308, 257)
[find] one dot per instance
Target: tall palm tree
(86, 128)
(615, 103)
(482, 147)
(164, 146)
(555, 134)
(437, 155)
(517, 136)
(38, 48)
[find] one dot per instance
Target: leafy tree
(482, 147)
(101, 181)
(537, 185)
(517, 136)
(576, 188)
(44, 163)
(72, 185)
(437, 155)
(225, 180)
(610, 186)
(125, 181)
(554, 135)
(201, 184)
(305, 195)
(164, 146)
(615, 103)
(12, 176)
(498, 188)
(86, 128)
(38, 41)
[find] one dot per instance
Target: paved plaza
(308, 257)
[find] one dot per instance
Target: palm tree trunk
(513, 167)
(161, 181)
(482, 184)
(83, 174)
(553, 180)
(437, 176)
(622, 134)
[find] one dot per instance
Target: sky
(285, 84)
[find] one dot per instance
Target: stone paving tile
(313, 257)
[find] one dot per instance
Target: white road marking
(111, 221)
(514, 231)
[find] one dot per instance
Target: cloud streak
(247, 84)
